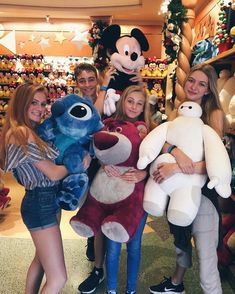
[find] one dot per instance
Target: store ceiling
(122, 11)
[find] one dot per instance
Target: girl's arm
(184, 162)
(166, 170)
(51, 170)
(138, 78)
(132, 175)
(99, 103)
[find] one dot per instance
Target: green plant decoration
(171, 29)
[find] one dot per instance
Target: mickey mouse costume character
(126, 56)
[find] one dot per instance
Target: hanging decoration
(21, 44)
(222, 38)
(59, 37)
(44, 43)
(80, 39)
(98, 52)
(32, 38)
(9, 41)
(171, 28)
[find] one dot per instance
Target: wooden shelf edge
(220, 56)
(154, 78)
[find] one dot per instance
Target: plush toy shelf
(224, 57)
(154, 78)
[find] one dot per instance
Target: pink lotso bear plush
(112, 204)
(126, 56)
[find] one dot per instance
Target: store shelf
(224, 57)
(5, 98)
(153, 78)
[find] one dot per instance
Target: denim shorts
(39, 209)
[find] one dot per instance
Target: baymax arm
(151, 145)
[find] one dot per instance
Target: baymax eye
(126, 49)
(181, 107)
(190, 107)
(81, 111)
(118, 129)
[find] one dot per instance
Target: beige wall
(25, 45)
(205, 24)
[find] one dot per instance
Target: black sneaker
(166, 286)
(92, 282)
(90, 251)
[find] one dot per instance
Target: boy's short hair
(84, 66)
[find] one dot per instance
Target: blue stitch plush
(70, 127)
(202, 51)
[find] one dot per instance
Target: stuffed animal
(112, 204)
(199, 142)
(230, 117)
(202, 51)
(162, 68)
(227, 92)
(4, 197)
(126, 56)
(224, 75)
(70, 127)
(226, 255)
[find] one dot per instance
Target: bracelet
(103, 88)
(170, 148)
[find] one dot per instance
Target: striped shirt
(23, 167)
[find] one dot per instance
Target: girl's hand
(112, 170)
(137, 78)
(164, 171)
(86, 161)
(109, 74)
(134, 175)
(185, 163)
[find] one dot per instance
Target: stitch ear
(140, 37)
(110, 36)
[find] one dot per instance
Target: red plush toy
(112, 204)
(226, 255)
(4, 198)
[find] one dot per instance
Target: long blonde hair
(120, 112)
(18, 124)
(209, 102)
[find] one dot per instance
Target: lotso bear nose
(103, 141)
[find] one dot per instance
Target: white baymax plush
(199, 142)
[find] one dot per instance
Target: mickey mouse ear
(140, 37)
(110, 35)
